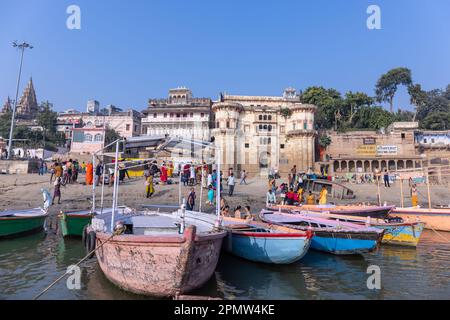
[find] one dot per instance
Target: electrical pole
(22, 47)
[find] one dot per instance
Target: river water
(29, 264)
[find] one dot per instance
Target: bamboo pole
(428, 189)
(201, 190)
(401, 192)
(378, 188)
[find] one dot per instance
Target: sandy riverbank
(23, 191)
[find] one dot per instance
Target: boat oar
(117, 232)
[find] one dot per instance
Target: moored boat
(260, 242)
(348, 210)
(341, 238)
(159, 255)
(15, 223)
(72, 223)
(396, 231)
(435, 219)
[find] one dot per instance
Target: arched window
(89, 124)
(269, 118)
(265, 127)
(88, 137)
(270, 127)
(260, 127)
(260, 117)
(265, 117)
(98, 137)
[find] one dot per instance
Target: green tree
(328, 101)
(47, 118)
(436, 121)
(324, 141)
(353, 102)
(5, 124)
(388, 83)
(418, 97)
(372, 118)
(436, 102)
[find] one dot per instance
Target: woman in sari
(164, 173)
(170, 170)
(149, 189)
(89, 174)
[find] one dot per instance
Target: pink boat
(159, 255)
(435, 219)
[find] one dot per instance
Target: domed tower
(300, 135)
(227, 131)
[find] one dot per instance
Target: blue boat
(260, 242)
(336, 237)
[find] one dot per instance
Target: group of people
(62, 173)
(293, 192)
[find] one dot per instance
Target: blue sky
(129, 51)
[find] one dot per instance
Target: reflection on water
(28, 265)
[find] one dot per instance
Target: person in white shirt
(271, 198)
(231, 183)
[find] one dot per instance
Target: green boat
(15, 223)
(72, 223)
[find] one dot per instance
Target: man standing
(231, 183)
(243, 177)
(98, 172)
(386, 179)
(191, 200)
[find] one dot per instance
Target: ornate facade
(178, 115)
(256, 133)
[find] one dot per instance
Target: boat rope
(440, 235)
(117, 232)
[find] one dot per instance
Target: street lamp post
(21, 46)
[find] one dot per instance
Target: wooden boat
(435, 219)
(380, 212)
(260, 242)
(335, 190)
(395, 233)
(330, 236)
(15, 223)
(160, 255)
(72, 223)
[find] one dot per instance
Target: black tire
(91, 243)
(84, 236)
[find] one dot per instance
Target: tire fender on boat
(84, 236)
(91, 239)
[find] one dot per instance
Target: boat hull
(402, 234)
(435, 219)
(73, 225)
(343, 246)
(358, 211)
(159, 266)
(11, 227)
(273, 249)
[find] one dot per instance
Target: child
(210, 195)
